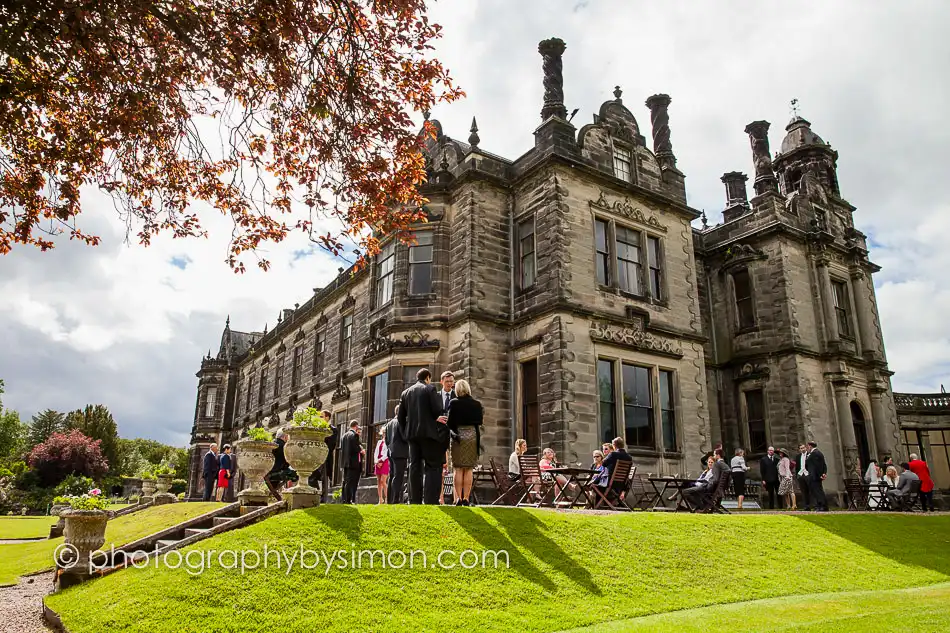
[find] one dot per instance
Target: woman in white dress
(873, 476)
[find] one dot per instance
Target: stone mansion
(571, 289)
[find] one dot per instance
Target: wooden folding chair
(713, 501)
(643, 493)
(534, 485)
(857, 494)
(599, 498)
(508, 490)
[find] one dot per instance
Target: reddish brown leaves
(311, 99)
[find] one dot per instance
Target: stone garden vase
(56, 530)
(306, 450)
(163, 483)
(254, 459)
(86, 532)
(148, 487)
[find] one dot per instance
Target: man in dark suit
(422, 418)
(801, 475)
(399, 459)
(350, 453)
(209, 471)
(619, 454)
(768, 470)
(817, 472)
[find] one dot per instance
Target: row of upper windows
(745, 304)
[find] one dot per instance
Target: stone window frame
(248, 386)
(745, 434)
(278, 376)
(533, 254)
(346, 342)
(617, 361)
(296, 368)
(211, 396)
(616, 148)
(379, 276)
(262, 387)
(844, 315)
(319, 359)
(431, 263)
(613, 276)
(739, 328)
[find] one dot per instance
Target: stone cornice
(633, 336)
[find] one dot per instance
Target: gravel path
(21, 605)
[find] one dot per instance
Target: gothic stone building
(571, 289)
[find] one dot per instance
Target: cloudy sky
(127, 326)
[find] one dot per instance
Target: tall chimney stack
(765, 180)
(660, 120)
(551, 51)
(737, 200)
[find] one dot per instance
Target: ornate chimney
(660, 119)
(765, 180)
(737, 200)
(551, 51)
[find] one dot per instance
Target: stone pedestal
(144, 499)
(254, 459)
(302, 497)
(164, 497)
(252, 497)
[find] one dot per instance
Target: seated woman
(601, 476)
(549, 461)
(890, 477)
(514, 466)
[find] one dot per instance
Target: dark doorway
(861, 435)
(530, 413)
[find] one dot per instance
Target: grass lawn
(928, 608)
(566, 570)
(25, 527)
(26, 558)
(117, 506)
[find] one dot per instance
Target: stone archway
(861, 435)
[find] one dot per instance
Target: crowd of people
(434, 425)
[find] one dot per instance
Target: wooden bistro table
(581, 477)
(662, 485)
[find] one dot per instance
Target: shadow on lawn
(524, 530)
(914, 540)
(340, 518)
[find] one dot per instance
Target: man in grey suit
(897, 497)
(398, 447)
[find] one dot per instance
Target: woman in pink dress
(381, 460)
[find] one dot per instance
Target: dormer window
(623, 162)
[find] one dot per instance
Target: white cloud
(126, 326)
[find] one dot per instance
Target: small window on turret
(622, 163)
(793, 181)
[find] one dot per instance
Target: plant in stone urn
(85, 528)
(148, 483)
(306, 447)
(255, 457)
(163, 478)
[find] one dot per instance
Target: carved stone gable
(300, 336)
(626, 209)
(348, 304)
(322, 321)
(634, 337)
(342, 391)
(751, 371)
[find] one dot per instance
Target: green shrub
(178, 486)
(74, 485)
(311, 417)
(259, 434)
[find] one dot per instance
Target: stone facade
(571, 289)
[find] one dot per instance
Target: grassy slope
(928, 608)
(567, 570)
(25, 558)
(25, 527)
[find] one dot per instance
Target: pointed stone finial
(473, 138)
(704, 220)
(279, 317)
(227, 322)
(265, 329)
(617, 93)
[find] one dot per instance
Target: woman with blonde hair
(465, 420)
(514, 466)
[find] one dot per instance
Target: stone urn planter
(148, 490)
(162, 484)
(255, 459)
(306, 450)
(85, 533)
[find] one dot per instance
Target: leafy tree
(97, 423)
(310, 101)
(45, 424)
(12, 431)
(67, 454)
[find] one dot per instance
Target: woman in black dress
(465, 421)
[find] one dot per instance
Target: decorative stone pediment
(348, 304)
(626, 209)
(752, 371)
(322, 321)
(281, 348)
(741, 254)
(300, 336)
(634, 337)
